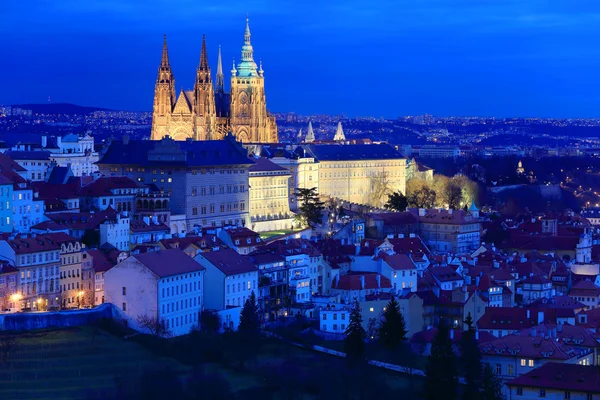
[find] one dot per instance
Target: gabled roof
(100, 261)
(183, 105)
(399, 262)
(266, 165)
(105, 185)
(229, 262)
(170, 262)
(528, 347)
(36, 243)
(561, 377)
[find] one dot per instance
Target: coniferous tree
(310, 206)
(354, 343)
(392, 327)
(470, 359)
(441, 370)
(491, 385)
(250, 317)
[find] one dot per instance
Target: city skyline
(503, 59)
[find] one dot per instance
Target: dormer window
(237, 242)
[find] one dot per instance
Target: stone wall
(41, 320)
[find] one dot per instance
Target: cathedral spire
(247, 33)
(310, 136)
(220, 79)
(165, 53)
(203, 55)
(203, 74)
(247, 67)
(339, 133)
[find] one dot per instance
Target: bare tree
(156, 327)
(380, 189)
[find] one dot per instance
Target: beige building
(304, 174)
(207, 114)
(269, 202)
(358, 173)
(71, 287)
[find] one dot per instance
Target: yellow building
(72, 291)
(304, 174)
(269, 201)
(358, 173)
(207, 114)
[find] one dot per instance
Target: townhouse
(160, 287)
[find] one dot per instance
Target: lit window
(371, 309)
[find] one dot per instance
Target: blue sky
(379, 58)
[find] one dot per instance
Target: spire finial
(203, 55)
(233, 70)
(247, 32)
(220, 80)
(165, 53)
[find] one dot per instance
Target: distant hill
(59, 108)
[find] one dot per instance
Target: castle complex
(207, 113)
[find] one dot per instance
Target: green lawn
(272, 234)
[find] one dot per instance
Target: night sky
(361, 58)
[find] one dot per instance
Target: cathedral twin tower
(205, 113)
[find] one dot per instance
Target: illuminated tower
(164, 96)
(250, 120)
(204, 99)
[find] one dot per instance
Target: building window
(498, 369)
(567, 395)
(519, 391)
(511, 369)
(531, 363)
(124, 291)
(324, 317)
(542, 392)
(124, 306)
(523, 362)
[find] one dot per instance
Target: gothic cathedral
(205, 113)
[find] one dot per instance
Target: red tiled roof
(567, 334)
(103, 186)
(593, 317)
(507, 318)
(442, 216)
(354, 282)
(558, 302)
(202, 242)
(561, 377)
(100, 262)
(399, 262)
(35, 243)
(168, 262)
(229, 261)
(445, 274)
(585, 288)
(137, 226)
(530, 347)
(76, 221)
